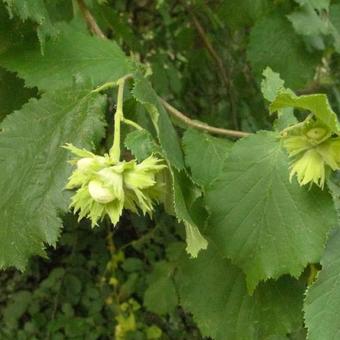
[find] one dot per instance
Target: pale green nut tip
(106, 188)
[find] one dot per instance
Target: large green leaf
(274, 43)
(214, 291)
(265, 224)
(34, 171)
(318, 104)
(323, 298)
(205, 155)
(73, 54)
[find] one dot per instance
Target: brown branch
(210, 48)
(90, 20)
(93, 26)
(202, 126)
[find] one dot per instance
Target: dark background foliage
(206, 59)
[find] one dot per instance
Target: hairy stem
(202, 126)
(115, 150)
(132, 123)
(105, 86)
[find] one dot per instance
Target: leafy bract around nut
(105, 188)
(313, 145)
(313, 151)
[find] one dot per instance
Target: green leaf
(160, 296)
(271, 85)
(323, 297)
(36, 11)
(73, 54)
(274, 43)
(194, 239)
(310, 20)
(141, 144)
(34, 169)
(307, 21)
(169, 141)
(262, 222)
(205, 155)
(318, 104)
(214, 291)
(168, 138)
(185, 194)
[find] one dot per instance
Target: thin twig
(90, 20)
(203, 35)
(223, 73)
(142, 239)
(201, 126)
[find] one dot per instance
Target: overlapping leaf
(36, 11)
(265, 224)
(214, 291)
(274, 43)
(73, 54)
(307, 21)
(13, 32)
(141, 143)
(183, 189)
(205, 155)
(34, 170)
(323, 298)
(185, 195)
(271, 85)
(167, 135)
